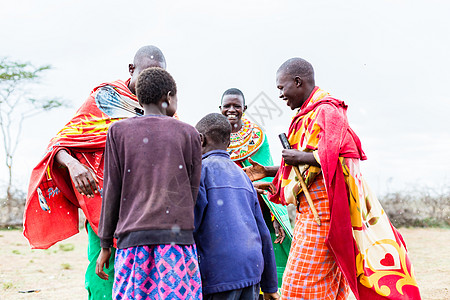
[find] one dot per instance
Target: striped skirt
(157, 272)
(311, 271)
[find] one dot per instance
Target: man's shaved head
(149, 52)
(295, 80)
(146, 57)
(297, 67)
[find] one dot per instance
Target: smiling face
(232, 108)
(293, 89)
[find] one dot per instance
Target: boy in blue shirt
(234, 247)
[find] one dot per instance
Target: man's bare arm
(296, 157)
(257, 171)
(83, 177)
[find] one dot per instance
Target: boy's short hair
(153, 84)
(215, 126)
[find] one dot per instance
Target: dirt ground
(58, 272)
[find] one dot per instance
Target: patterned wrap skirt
(311, 271)
(157, 272)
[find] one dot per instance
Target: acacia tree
(16, 105)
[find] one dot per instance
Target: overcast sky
(388, 60)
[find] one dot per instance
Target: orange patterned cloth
(51, 210)
(311, 271)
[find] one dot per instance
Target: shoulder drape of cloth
(51, 210)
(380, 269)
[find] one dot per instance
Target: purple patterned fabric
(157, 272)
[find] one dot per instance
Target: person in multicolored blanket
(355, 246)
(152, 178)
(70, 175)
(248, 143)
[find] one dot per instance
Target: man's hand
(292, 157)
(296, 157)
(83, 177)
(264, 188)
(270, 296)
(256, 171)
(103, 260)
(279, 232)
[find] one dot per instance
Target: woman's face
(232, 108)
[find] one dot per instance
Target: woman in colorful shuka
(70, 175)
(355, 246)
(249, 143)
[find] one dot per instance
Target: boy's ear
(165, 100)
(168, 97)
(202, 139)
(131, 68)
(245, 108)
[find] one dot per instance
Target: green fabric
(281, 251)
(263, 157)
(97, 287)
(280, 212)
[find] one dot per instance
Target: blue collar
(216, 152)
